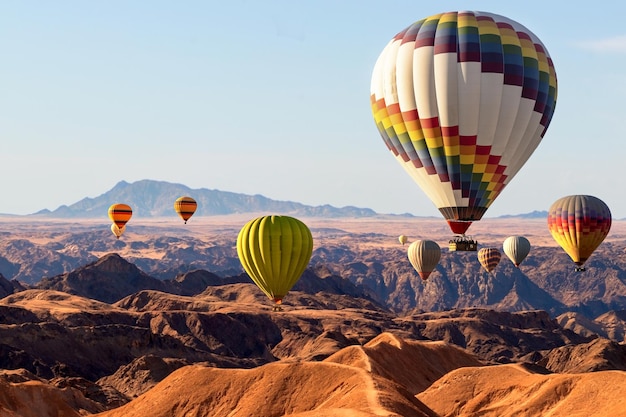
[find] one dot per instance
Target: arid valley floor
(360, 336)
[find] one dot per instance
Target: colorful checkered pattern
(579, 223)
(462, 99)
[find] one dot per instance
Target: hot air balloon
(274, 251)
(120, 214)
(516, 248)
(117, 231)
(424, 255)
(185, 207)
(403, 239)
(489, 258)
(579, 223)
(462, 99)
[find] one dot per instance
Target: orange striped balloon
(120, 214)
(185, 207)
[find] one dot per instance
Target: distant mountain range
(150, 198)
(536, 214)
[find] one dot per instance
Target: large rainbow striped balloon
(462, 99)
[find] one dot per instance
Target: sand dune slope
(55, 303)
(277, 389)
(36, 398)
(512, 390)
(412, 364)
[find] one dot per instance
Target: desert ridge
(185, 355)
(361, 334)
(281, 389)
(514, 390)
(357, 388)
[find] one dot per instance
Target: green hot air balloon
(424, 255)
(274, 251)
(516, 248)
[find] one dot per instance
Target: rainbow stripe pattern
(579, 224)
(462, 99)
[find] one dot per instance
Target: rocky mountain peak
(112, 262)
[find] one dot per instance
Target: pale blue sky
(271, 98)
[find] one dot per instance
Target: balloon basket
(462, 244)
(277, 304)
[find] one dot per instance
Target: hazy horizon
(271, 98)
(173, 214)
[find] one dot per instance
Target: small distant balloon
(424, 255)
(579, 224)
(117, 231)
(516, 248)
(489, 258)
(403, 239)
(185, 207)
(120, 214)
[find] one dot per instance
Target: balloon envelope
(120, 214)
(403, 239)
(516, 248)
(489, 258)
(117, 231)
(579, 223)
(424, 255)
(185, 207)
(274, 251)
(462, 99)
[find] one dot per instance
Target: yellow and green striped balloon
(274, 251)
